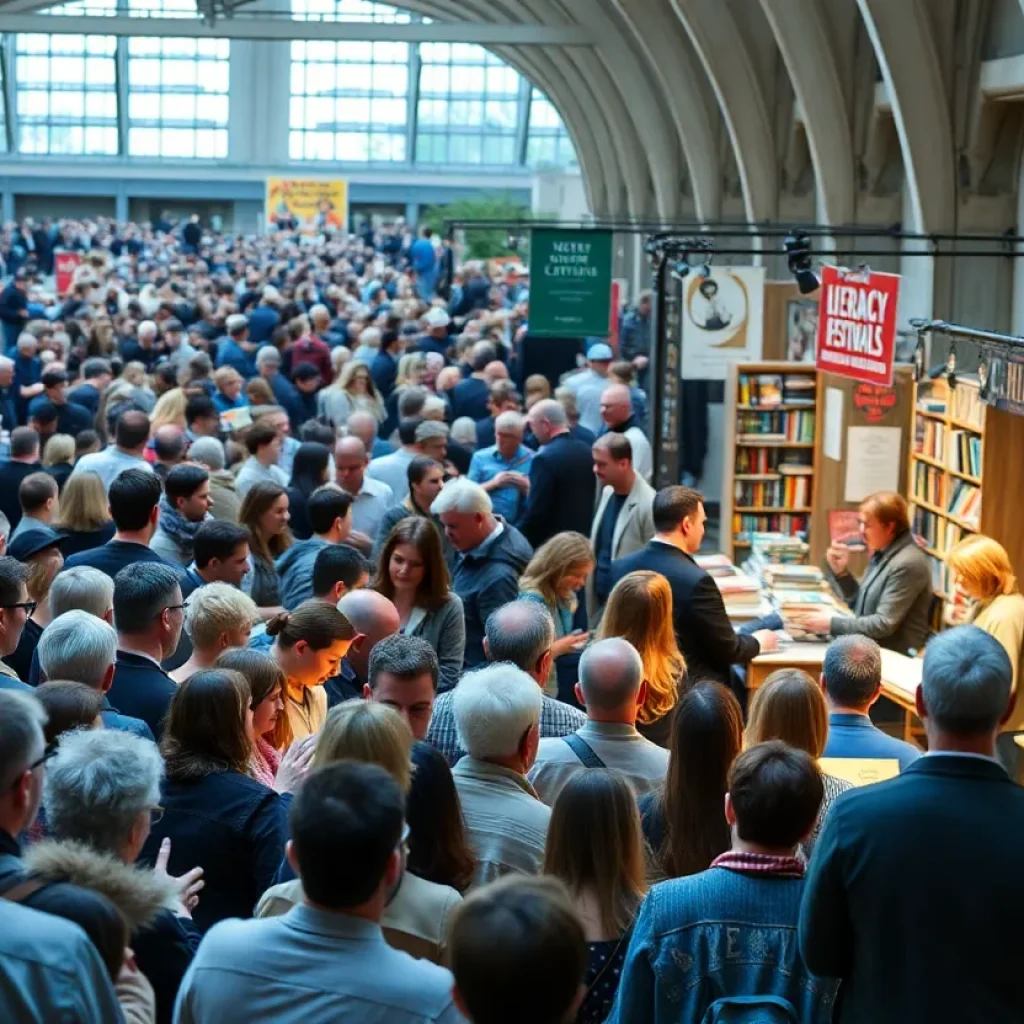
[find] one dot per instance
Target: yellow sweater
(1003, 618)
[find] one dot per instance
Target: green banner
(570, 283)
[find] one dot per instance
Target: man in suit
(703, 631)
(471, 396)
(623, 523)
(149, 611)
(561, 478)
(944, 945)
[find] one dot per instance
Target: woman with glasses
(417, 917)
(217, 616)
(216, 814)
(353, 391)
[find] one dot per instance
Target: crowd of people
(350, 672)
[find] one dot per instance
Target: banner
(570, 283)
(613, 317)
(723, 321)
(857, 324)
(307, 205)
(64, 266)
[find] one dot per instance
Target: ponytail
(316, 622)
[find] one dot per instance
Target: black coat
(11, 475)
(141, 689)
(163, 951)
(231, 826)
(470, 398)
(113, 556)
(703, 630)
(561, 491)
(943, 943)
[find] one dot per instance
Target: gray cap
(431, 428)
(237, 322)
(600, 353)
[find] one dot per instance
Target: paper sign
(861, 771)
(832, 442)
(857, 324)
(64, 265)
(723, 321)
(844, 528)
(872, 461)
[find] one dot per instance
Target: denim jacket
(718, 933)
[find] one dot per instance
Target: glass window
(347, 10)
(547, 142)
(3, 111)
(66, 94)
(177, 95)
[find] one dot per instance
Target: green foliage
(481, 243)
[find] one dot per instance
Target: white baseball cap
(437, 317)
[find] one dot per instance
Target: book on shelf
(965, 502)
(965, 452)
(747, 524)
(792, 492)
(795, 469)
(930, 439)
(967, 406)
(796, 426)
(929, 484)
(750, 461)
(762, 389)
(798, 389)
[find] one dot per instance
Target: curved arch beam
(905, 49)
(660, 36)
(800, 32)
(719, 44)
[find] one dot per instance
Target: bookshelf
(945, 488)
(770, 431)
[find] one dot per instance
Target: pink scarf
(265, 762)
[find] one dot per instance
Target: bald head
(547, 419)
(351, 446)
(169, 444)
(350, 462)
(364, 426)
(374, 617)
(611, 676)
(616, 405)
(495, 370)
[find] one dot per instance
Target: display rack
(945, 485)
(771, 422)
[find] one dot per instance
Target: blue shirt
(487, 463)
(851, 735)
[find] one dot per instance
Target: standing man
(624, 522)
(130, 436)
(561, 478)
(471, 396)
(617, 415)
(589, 384)
(948, 946)
(403, 673)
(503, 469)
(14, 308)
(8, 395)
(71, 417)
(236, 350)
(24, 461)
(423, 258)
(13, 615)
(370, 498)
(635, 337)
(184, 507)
(263, 442)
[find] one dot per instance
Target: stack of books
(799, 577)
(778, 548)
(739, 590)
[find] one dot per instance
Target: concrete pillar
(6, 205)
(412, 212)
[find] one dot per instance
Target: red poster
(65, 265)
(857, 324)
(613, 319)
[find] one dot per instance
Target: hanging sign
(64, 266)
(857, 324)
(570, 283)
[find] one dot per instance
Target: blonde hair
(169, 409)
(42, 570)
(83, 504)
(59, 450)
(789, 706)
(407, 365)
(344, 381)
(224, 374)
(551, 561)
(135, 373)
(216, 608)
(359, 730)
(537, 387)
(983, 567)
(639, 610)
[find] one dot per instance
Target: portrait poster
(801, 330)
(310, 206)
(723, 321)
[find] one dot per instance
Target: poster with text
(65, 263)
(857, 324)
(570, 283)
(307, 205)
(723, 321)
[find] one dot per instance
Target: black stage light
(798, 258)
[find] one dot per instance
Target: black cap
(51, 378)
(305, 371)
(31, 542)
(173, 324)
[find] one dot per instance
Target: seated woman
(639, 610)
(417, 919)
(264, 512)
(790, 706)
(217, 616)
(982, 570)
(683, 821)
(214, 813)
(595, 847)
(892, 601)
(558, 570)
(84, 516)
(414, 577)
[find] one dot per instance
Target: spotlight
(681, 269)
(798, 258)
(984, 379)
(951, 366)
(705, 270)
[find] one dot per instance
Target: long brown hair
(255, 505)
(707, 735)
(639, 610)
(422, 534)
(595, 845)
(262, 674)
(551, 561)
(205, 731)
(789, 706)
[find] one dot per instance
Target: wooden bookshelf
(945, 474)
(759, 491)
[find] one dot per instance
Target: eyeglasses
(49, 751)
(403, 839)
(29, 606)
(155, 814)
(175, 607)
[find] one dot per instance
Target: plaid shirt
(556, 719)
(760, 864)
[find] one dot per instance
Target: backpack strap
(583, 751)
(23, 889)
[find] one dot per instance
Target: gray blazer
(892, 601)
(445, 630)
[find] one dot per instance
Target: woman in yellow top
(983, 572)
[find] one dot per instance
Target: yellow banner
(316, 204)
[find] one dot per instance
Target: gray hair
(494, 707)
(209, 451)
(464, 496)
(5, 529)
(6, 364)
(83, 588)
(550, 411)
(852, 671)
(610, 672)
(435, 405)
(464, 431)
(26, 339)
(967, 681)
(79, 647)
(146, 329)
(22, 718)
(407, 657)
(319, 311)
(98, 785)
(520, 632)
(267, 353)
(510, 420)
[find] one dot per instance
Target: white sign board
(872, 461)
